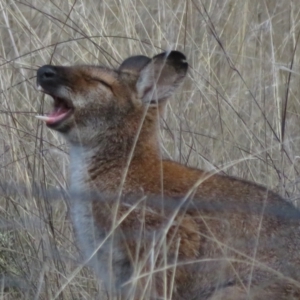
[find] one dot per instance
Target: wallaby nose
(46, 74)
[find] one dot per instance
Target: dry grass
(238, 111)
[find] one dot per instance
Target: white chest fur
(107, 260)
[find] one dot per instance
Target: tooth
(43, 118)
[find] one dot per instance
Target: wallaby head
(93, 104)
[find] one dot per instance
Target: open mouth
(62, 110)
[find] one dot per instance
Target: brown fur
(237, 247)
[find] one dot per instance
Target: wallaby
(152, 228)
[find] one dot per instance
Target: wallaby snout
(46, 73)
(50, 78)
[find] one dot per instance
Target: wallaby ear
(134, 64)
(161, 76)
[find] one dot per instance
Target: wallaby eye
(100, 81)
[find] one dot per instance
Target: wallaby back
(152, 228)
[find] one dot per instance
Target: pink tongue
(57, 115)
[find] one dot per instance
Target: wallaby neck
(102, 170)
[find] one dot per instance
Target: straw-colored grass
(237, 112)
